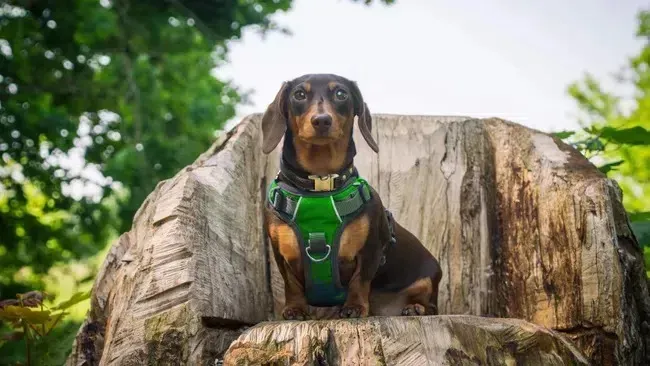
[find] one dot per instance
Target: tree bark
(523, 226)
(416, 341)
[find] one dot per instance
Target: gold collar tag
(324, 183)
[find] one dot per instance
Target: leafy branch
(31, 319)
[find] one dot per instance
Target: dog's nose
(321, 122)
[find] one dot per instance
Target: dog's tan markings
(420, 290)
(354, 237)
(301, 125)
(305, 119)
(357, 304)
(307, 86)
(294, 294)
(418, 296)
(332, 85)
(287, 242)
(283, 238)
(321, 159)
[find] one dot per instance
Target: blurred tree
(97, 95)
(616, 130)
(99, 101)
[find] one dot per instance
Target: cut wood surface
(409, 341)
(523, 226)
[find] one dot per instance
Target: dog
(333, 241)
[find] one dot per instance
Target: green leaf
(609, 166)
(49, 324)
(631, 136)
(594, 145)
(75, 299)
(639, 216)
(641, 230)
(563, 134)
(14, 313)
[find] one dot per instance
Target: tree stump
(523, 226)
(408, 341)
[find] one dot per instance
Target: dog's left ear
(364, 118)
(274, 120)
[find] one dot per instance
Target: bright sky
(507, 58)
(512, 59)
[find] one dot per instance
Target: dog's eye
(299, 95)
(340, 94)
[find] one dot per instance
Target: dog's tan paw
(353, 311)
(291, 313)
(413, 309)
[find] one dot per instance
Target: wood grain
(407, 341)
(523, 226)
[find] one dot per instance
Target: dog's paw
(294, 314)
(353, 311)
(413, 309)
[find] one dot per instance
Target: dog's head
(319, 109)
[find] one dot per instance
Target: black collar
(316, 183)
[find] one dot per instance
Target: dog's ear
(364, 118)
(274, 120)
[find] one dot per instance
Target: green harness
(318, 219)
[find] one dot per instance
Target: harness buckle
(323, 183)
(276, 198)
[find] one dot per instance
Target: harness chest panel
(318, 219)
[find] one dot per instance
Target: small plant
(32, 320)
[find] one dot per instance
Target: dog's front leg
(295, 302)
(356, 268)
(357, 303)
(286, 251)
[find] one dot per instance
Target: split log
(407, 341)
(523, 226)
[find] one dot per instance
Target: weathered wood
(416, 341)
(523, 226)
(190, 271)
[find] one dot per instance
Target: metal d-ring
(329, 249)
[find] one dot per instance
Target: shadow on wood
(523, 226)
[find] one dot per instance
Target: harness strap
(352, 204)
(283, 203)
(318, 219)
(393, 238)
(391, 227)
(288, 205)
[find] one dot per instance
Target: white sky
(512, 59)
(507, 58)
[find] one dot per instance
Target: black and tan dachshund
(374, 254)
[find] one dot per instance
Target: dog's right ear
(364, 117)
(274, 120)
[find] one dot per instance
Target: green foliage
(636, 135)
(616, 132)
(31, 323)
(99, 101)
(563, 134)
(48, 351)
